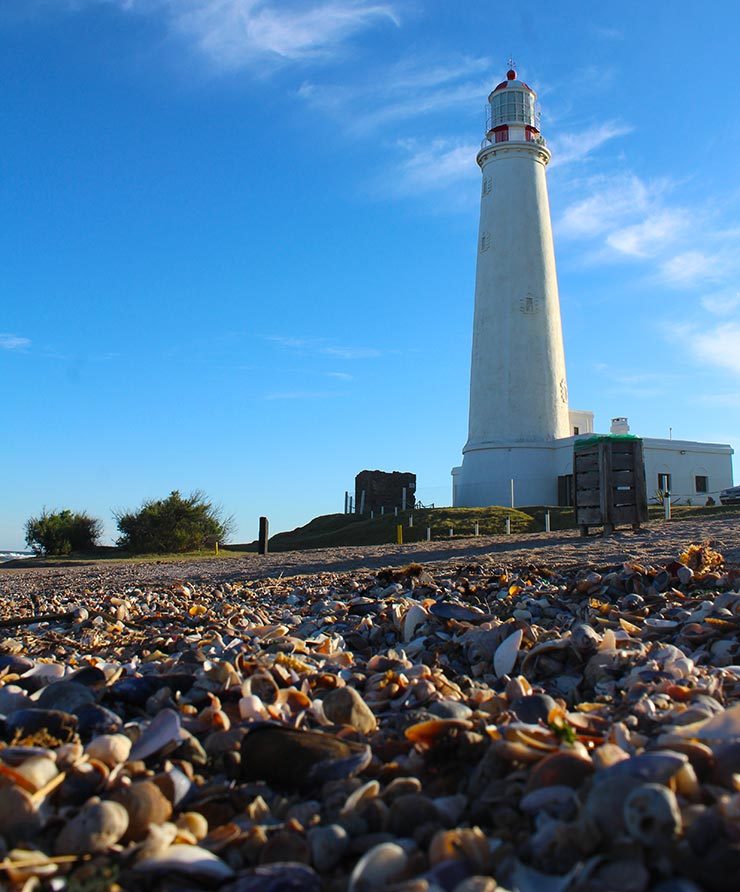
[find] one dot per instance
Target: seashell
(367, 791)
(652, 767)
(28, 723)
(15, 664)
(724, 727)
(276, 878)
(96, 827)
(651, 815)
(38, 771)
(459, 612)
(46, 673)
(196, 862)
(84, 779)
(506, 653)
(415, 616)
(19, 817)
(163, 733)
(429, 733)
(378, 868)
(111, 749)
(533, 708)
(410, 811)
(560, 769)
(94, 720)
(544, 798)
(195, 823)
(12, 698)
(606, 755)
(450, 709)
(288, 758)
(251, 708)
(66, 696)
(328, 846)
(285, 846)
(135, 690)
(145, 804)
(344, 706)
(461, 844)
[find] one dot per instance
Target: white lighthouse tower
(518, 389)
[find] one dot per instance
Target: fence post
(403, 499)
(346, 501)
(362, 502)
(429, 534)
(372, 514)
(512, 492)
(508, 524)
(667, 505)
(451, 532)
(477, 530)
(399, 534)
(547, 521)
(264, 535)
(411, 521)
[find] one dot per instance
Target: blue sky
(238, 238)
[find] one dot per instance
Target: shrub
(172, 524)
(61, 532)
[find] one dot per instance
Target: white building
(520, 426)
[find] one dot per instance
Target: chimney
(620, 426)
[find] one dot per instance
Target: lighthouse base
(695, 472)
(486, 474)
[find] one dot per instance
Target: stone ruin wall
(384, 489)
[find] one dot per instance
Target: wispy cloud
(717, 345)
(436, 165)
(340, 376)
(301, 395)
(319, 346)
(13, 342)
(238, 34)
(570, 147)
(722, 303)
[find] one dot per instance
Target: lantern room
(512, 112)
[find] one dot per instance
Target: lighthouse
(518, 386)
(521, 432)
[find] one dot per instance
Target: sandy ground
(654, 543)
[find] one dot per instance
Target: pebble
(344, 706)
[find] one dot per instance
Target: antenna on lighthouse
(511, 63)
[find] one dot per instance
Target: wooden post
(362, 502)
(264, 535)
(512, 492)
(403, 499)
(372, 514)
(508, 524)
(477, 529)
(351, 505)
(429, 534)
(395, 511)
(411, 521)
(382, 510)
(346, 502)
(399, 533)
(547, 521)
(451, 532)
(215, 546)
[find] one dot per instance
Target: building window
(487, 185)
(501, 134)
(485, 241)
(702, 483)
(576, 431)
(664, 482)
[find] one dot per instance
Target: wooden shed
(609, 482)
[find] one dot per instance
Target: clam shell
(164, 732)
(378, 867)
(111, 749)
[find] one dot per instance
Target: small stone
(344, 706)
(409, 812)
(145, 804)
(96, 827)
(111, 749)
(651, 815)
(533, 708)
(328, 846)
(450, 709)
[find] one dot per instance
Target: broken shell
(463, 844)
(506, 653)
(163, 733)
(196, 862)
(429, 733)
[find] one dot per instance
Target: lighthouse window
(702, 484)
(487, 185)
(485, 241)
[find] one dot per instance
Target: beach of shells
(495, 717)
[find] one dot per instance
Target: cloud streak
(13, 342)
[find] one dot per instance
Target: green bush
(172, 524)
(61, 532)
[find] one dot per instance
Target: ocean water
(14, 555)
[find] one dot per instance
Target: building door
(565, 490)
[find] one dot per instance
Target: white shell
(111, 749)
(378, 867)
(251, 707)
(415, 617)
(96, 827)
(504, 659)
(724, 727)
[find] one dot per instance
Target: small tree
(61, 532)
(172, 524)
